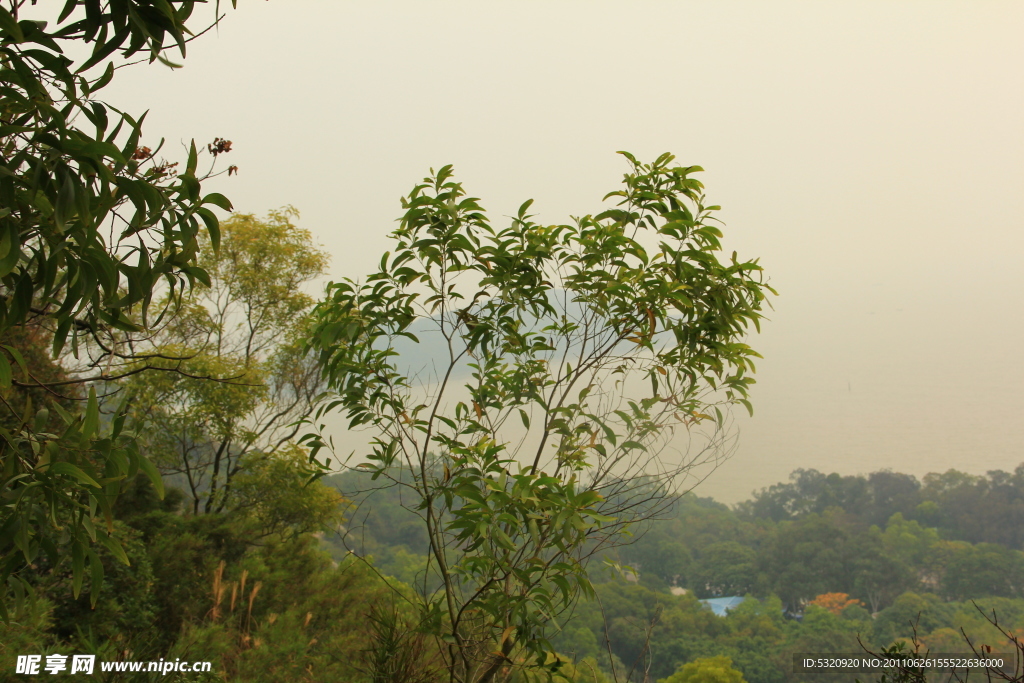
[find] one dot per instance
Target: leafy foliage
(551, 323)
(262, 606)
(901, 572)
(966, 507)
(706, 670)
(234, 378)
(834, 602)
(90, 225)
(188, 588)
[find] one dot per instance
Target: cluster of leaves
(211, 587)
(244, 585)
(706, 670)
(94, 458)
(549, 323)
(243, 329)
(65, 184)
(91, 226)
(835, 602)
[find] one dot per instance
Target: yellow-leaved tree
(706, 670)
(223, 417)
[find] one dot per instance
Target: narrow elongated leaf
(5, 372)
(70, 470)
(115, 548)
(97, 577)
(77, 567)
(154, 476)
(91, 422)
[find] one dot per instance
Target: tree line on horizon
(955, 534)
(894, 549)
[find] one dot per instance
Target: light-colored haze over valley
(870, 153)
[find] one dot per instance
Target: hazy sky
(870, 153)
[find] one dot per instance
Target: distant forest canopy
(826, 559)
(964, 507)
(872, 536)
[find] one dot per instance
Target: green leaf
(104, 50)
(193, 160)
(70, 470)
(91, 422)
(64, 207)
(77, 567)
(114, 547)
(217, 199)
(97, 577)
(154, 476)
(212, 227)
(5, 372)
(10, 26)
(102, 81)
(166, 62)
(502, 538)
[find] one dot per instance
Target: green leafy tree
(823, 632)
(983, 570)
(809, 557)
(755, 638)
(726, 568)
(878, 576)
(922, 612)
(91, 224)
(282, 612)
(569, 355)
(243, 329)
(657, 551)
(891, 493)
(560, 669)
(909, 541)
(977, 509)
(808, 492)
(275, 494)
(706, 670)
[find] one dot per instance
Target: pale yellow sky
(871, 153)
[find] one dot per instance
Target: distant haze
(870, 153)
